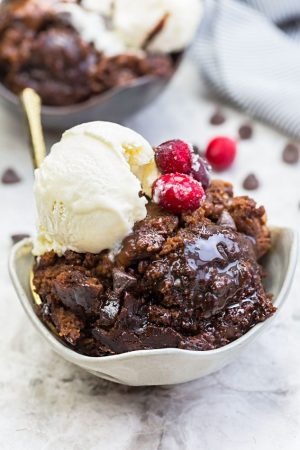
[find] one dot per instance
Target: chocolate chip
(18, 237)
(291, 153)
(250, 182)
(226, 220)
(197, 150)
(122, 281)
(217, 118)
(10, 176)
(245, 131)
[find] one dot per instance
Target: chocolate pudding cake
(190, 281)
(137, 248)
(69, 52)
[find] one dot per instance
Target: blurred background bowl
(113, 105)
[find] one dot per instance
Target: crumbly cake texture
(41, 50)
(189, 281)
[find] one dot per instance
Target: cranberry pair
(186, 175)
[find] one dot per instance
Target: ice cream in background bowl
(156, 26)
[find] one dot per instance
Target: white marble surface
(45, 403)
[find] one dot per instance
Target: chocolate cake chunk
(78, 291)
(190, 281)
(68, 325)
(148, 237)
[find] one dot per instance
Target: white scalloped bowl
(162, 366)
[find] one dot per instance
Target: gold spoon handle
(31, 103)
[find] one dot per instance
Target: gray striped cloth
(249, 52)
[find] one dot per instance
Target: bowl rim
(72, 355)
(94, 100)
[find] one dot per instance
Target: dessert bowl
(114, 105)
(162, 366)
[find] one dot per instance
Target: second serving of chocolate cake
(68, 52)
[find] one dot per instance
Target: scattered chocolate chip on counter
(251, 182)
(217, 117)
(245, 131)
(10, 176)
(291, 153)
(19, 237)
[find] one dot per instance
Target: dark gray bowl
(114, 105)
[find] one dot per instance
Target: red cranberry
(201, 171)
(221, 153)
(174, 156)
(178, 193)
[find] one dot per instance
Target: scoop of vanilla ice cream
(124, 26)
(136, 19)
(87, 189)
(103, 7)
